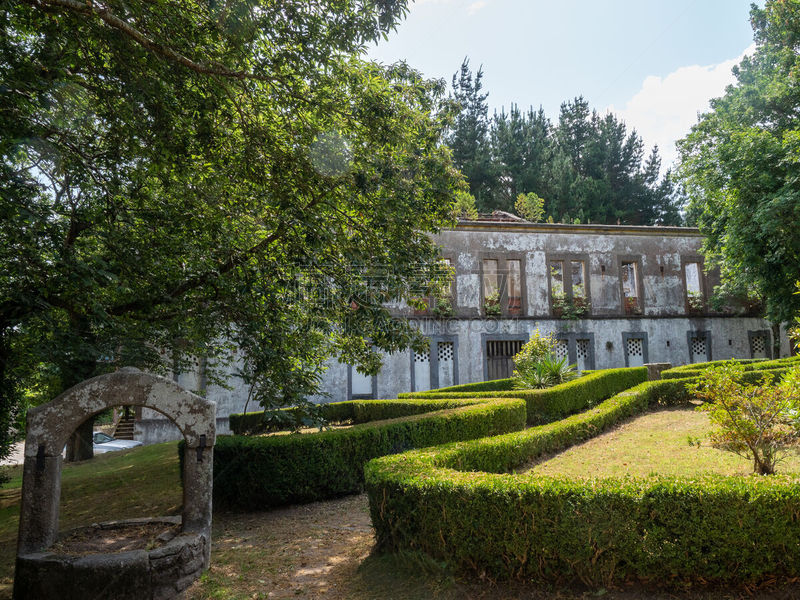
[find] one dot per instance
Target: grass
(656, 442)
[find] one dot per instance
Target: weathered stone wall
(661, 252)
(162, 573)
(158, 574)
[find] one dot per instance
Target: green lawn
(656, 442)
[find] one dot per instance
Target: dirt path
(304, 551)
(324, 551)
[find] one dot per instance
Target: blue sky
(656, 64)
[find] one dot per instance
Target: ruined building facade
(612, 295)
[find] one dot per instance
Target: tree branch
(110, 19)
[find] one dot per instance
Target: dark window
(500, 358)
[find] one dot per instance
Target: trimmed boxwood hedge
(554, 403)
(458, 503)
(495, 385)
(258, 472)
(353, 411)
(752, 364)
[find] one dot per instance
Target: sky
(656, 64)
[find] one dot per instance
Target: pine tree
(469, 138)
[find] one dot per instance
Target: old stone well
(44, 573)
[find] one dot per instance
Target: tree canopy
(587, 167)
(182, 179)
(740, 167)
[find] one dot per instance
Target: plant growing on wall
(570, 308)
(443, 306)
(695, 302)
(756, 421)
(632, 306)
(491, 304)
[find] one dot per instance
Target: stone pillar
(654, 370)
(41, 493)
(198, 475)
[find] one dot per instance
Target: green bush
(561, 400)
(353, 412)
(458, 504)
(750, 364)
(258, 472)
(496, 385)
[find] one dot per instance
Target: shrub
(495, 385)
(549, 371)
(458, 504)
(553, 403)
(536, 365)
(258, 472)
(750, 364)
(754, 420)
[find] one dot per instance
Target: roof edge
(478, 225)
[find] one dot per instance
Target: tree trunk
(79, 446)
(9, 399)
(776, 340)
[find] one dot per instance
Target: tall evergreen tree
(469, 136)
(587, 167)
(521, 151)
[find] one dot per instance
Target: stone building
(614, 295)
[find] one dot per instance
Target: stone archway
(50, 425)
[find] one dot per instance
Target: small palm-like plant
(559, 369)
(545, 372)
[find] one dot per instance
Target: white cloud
(665, 108)
(475, 7)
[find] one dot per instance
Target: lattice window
(758, 346)
(698, 346)
(562, 349)
(634, 351)
(583, 349)
(425, 357)
(445, 351)
(635, 347)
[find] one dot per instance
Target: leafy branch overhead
(229, 179)
(739, 166)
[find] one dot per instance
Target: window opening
(562, 349)
(500, 358)
(694, 289)
(698, 349)
(422, 371)
(758, 346)
(491, 287)
(446, 363)
(634, 349)
(582, 351)
(630, 288)
(514, 291)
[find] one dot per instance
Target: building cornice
(520, 227)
